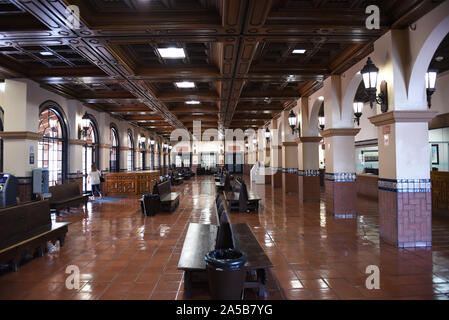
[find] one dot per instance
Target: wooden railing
(440, 191)
(131, 183)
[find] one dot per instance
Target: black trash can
(151, 204)
(226, 272)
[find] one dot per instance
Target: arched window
(158, 159)
(142, 152)
(152, 167)
(90, 151)
(52, 149)
(114, 159)
(130, 159)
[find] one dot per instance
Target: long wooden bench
(239, 199)
(203, 238)
(169, 199)
(65, 196)
(25, 230)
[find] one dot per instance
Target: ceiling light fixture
(46, 53)
(172, 53)
(193, 102)
(299, 51)
(185, 84)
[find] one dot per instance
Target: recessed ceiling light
(46, 53)
(172, 53)
(193, 102)
(185, 84)
(439, 58)
(299, 51)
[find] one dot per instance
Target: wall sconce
(370, 73)
(267, 135)
(292, 123)
(358, 110)
(431, 80)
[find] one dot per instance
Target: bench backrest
(237, 185)
(163, 188)
(225, 236)
(63, 191)
(19, 221)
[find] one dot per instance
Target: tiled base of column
(276, 179)
(290, 182)
(309, 188)
(405, 218)
(341, 199)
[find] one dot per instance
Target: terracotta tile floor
(125, 255)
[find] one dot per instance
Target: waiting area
(224, 150)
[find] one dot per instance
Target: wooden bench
(65, 196)
(169, 200)
(240, 200)
(203, 238)
(25, 229)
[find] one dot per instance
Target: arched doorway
(114, 154)
(90, 151)
(52, 149)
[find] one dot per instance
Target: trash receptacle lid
(226, 259)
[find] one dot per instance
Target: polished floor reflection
(122, 254)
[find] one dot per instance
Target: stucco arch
(417, 86)
(349, 96)
(313, 129)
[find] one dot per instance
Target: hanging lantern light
(431, 80)
(358, 110)
(322, 122)
(370, 74)
(267, 135)
(85, 122)
(292, 120)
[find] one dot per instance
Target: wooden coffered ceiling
(238, 53)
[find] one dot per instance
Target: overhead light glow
(321, 98)
(185, 84)
(193, 102)
(299, 51)
(172, 53)
(45, 53)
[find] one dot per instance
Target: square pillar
(340, 178)
(308, 169)
(290, 167)
(405, 192)
(276, 166)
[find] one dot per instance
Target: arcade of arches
(341, 188)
